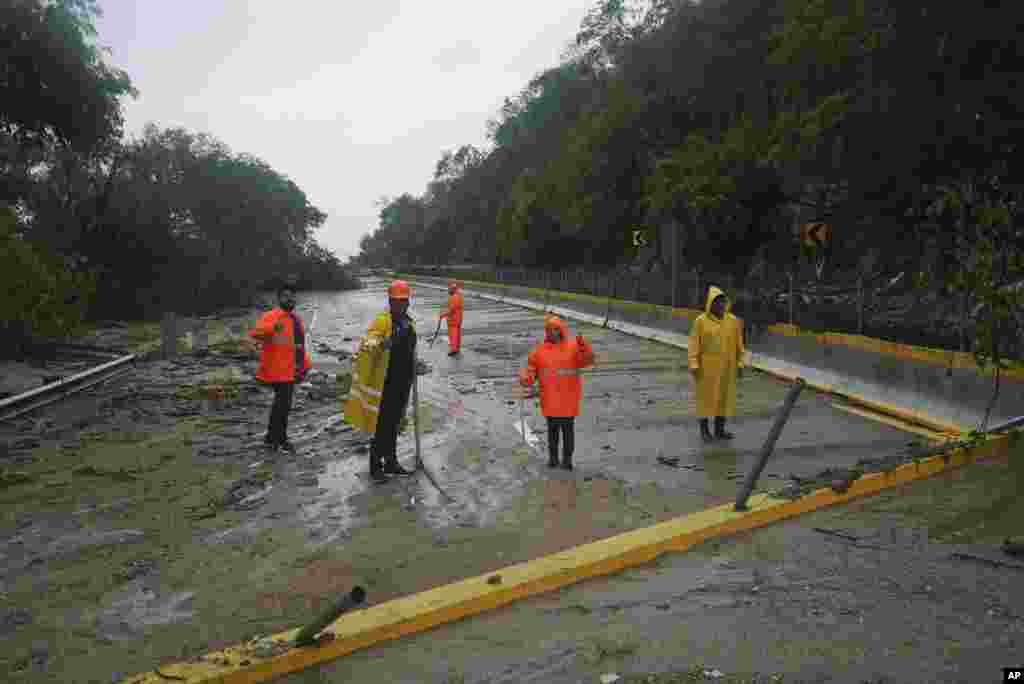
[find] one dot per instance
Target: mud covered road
(886, 590)
(144, 522)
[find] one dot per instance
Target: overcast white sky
(351, 100)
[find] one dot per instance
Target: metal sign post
(675, 262)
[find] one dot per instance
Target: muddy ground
(143, 522)
(905, 587)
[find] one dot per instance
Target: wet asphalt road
(637, 405)
(317, 525)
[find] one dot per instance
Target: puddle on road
(529, 436)
(340, 479)
(129, 610)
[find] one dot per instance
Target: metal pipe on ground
(18, 405)
(76, 346)
(769, 444)
(307, 636)
(1007, 425)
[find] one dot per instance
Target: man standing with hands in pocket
(283, 363)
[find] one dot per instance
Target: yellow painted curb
(883, 418)
(419, 612)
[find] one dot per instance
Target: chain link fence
(886, 305)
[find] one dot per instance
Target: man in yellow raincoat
(383, 371)
(716, 359)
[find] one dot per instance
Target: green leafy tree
(44, 295)
(56, 87)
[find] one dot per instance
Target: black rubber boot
(720, 432)
(705, 433)
(552, 462)
(566, 462)
(395, 468)
(377, 470)
(377, 475)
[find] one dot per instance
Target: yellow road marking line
(893, 422)
(419, 612)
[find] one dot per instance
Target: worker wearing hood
(454, 315)
(556, 362)
(716, 357)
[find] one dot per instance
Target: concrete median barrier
(929, 386)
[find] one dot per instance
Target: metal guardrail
(23, 403)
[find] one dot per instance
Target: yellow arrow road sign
(815, 234)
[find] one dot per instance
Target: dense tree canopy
(733, 120)
(93, 224)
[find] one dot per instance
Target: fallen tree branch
(836, 533)
(987, 561)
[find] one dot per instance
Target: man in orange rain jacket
(556, 362)
(283, 363)
(454, 315)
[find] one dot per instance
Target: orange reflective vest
(277, 360)
(454, 312)
(557, 366)
(454, 316)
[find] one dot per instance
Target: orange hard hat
(399, 289)
(553, 322)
